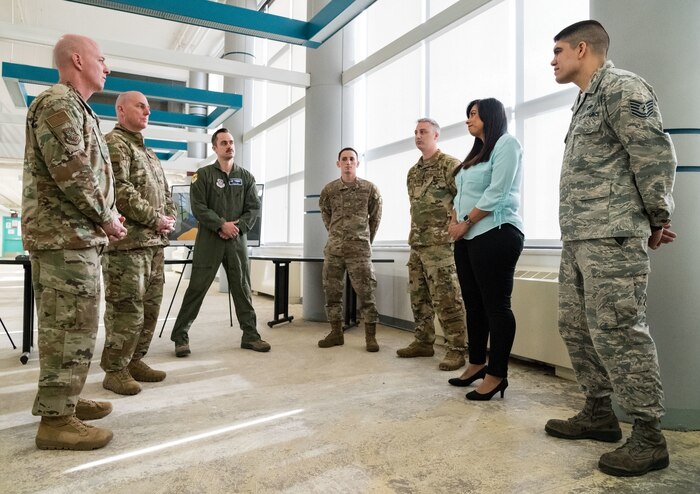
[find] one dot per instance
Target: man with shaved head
(133, 266)
(68, 217)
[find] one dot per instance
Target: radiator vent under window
(522, 274)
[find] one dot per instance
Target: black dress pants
(485, 268)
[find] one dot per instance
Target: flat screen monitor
(186, 224)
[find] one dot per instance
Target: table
(28, 306)
(282, 289)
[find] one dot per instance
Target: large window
(471, 61)
(503, 52)
(277, 153)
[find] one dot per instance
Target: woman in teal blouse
(487, 229)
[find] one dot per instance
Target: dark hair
(214, 136)
(493, 114)
(592, 32)
(349, 149)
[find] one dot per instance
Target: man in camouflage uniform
(133, 266)
(615, 201)
(68, 216)
(225, 202)
(431, 269)
(351, 209)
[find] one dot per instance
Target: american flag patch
(642, 109)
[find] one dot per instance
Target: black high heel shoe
(476, 396)
(456, 381)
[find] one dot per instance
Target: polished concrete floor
(300, 419)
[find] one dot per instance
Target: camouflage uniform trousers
(67, 290)
(602, 319)
(363, 280)
(134, 281)
(434, 287)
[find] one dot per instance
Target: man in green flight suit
(225, 202)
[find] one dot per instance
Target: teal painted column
(660, 41)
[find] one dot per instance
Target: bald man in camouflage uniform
(615, 202)
(351, 209)
(133, 266)
(68, 217)
(431, 270)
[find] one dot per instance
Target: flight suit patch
(220, 183)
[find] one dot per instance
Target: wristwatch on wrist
(468, 220)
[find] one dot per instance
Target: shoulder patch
(71, 136)
(642, 109)
(58, 119)
(194, 178)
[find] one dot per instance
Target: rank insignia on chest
(220, 183)
(235, 181)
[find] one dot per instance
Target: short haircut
(592, 32)
(215, 136)
(436, 126)
(357, 156)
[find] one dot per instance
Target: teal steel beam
(17, 75)
(166, 145)
(229, 18)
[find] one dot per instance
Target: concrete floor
(300, 419)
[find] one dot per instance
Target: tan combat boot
(69, 432)
(92, 410)
(454, 359)
(141, 371)
(121, 382)
(416, 349)
(335, 337)
(596, 421)
(644, 451)
(370, 337)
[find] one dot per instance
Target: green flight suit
(217, 198)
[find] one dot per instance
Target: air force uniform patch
(642, 109)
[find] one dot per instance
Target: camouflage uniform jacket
(217, 198)
(619, 165)
(351, 213)
(142, 190)
(431, 191)
(68, 181)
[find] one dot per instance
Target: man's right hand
(114, 229)
(229, 230)
(660, 237)
(166, 224)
